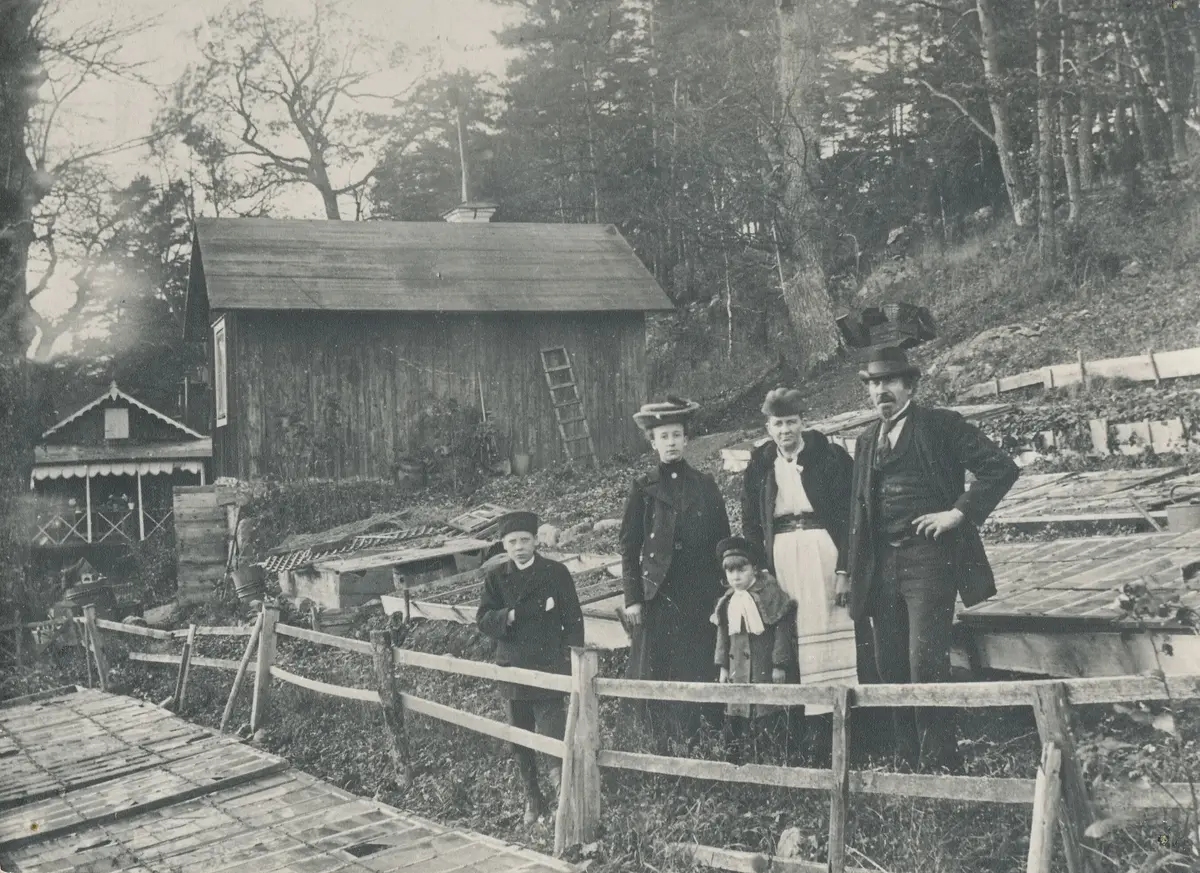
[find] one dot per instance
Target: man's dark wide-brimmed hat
(673, 410)
(519, 520)
(783, 402)
(885, 362)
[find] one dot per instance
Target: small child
(530, 608)
(756, 637)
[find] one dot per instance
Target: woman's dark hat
(782, 402)
(673, 410)
(520, 520)
(885, 362)
(738, 546)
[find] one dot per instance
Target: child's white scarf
(743, 613)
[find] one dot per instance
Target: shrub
(287, 508)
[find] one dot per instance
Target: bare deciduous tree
(276, 102)
(63, 162)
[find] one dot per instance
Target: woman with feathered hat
(673, 520)
(796, 508)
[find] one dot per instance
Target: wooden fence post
(266, 657)
(1047, 793)
(84, 638)
(579, 793)
(1083, 379)
(20, 639)
(241, 671)
(185, 669)
(839, 794)
(1053, 714)
(393, 708)
(92, 636)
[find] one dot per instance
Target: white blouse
(790, 498)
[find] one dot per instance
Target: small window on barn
(116, 423)
(220, 388)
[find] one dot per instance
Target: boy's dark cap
(520, 520)
(731, 546)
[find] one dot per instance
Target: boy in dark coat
(756, 637)
(530, 608)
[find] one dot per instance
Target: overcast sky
(458, 33)
(449, 33)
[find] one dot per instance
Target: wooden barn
(333, 345)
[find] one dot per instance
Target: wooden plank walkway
(93, 781)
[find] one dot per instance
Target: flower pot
(249, 583)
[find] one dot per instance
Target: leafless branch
(928, 4)
(957, 104)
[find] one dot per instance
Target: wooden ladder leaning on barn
(568, 406)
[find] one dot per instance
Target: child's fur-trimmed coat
(751, 658)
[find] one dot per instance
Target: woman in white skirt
(795, 506)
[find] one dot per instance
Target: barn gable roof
(410, 266)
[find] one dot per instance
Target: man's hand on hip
(934, 524)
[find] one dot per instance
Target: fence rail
(1060, 801)
(1151, 367)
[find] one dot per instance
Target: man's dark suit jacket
(948, 446)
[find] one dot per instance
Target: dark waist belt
(798, 521)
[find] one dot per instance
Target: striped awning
(114, 468)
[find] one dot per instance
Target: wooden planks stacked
(201, 541)
(479, 521)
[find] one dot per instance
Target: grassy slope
(996, 279)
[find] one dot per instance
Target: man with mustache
(913, 543)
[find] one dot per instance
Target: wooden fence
(1061, 801)
(1150, 367)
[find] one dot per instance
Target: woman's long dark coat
(674, 518)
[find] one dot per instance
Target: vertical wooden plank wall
(200, 541)
(380, 371)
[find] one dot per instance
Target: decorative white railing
(109, 527)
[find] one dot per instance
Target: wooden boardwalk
(93, 781)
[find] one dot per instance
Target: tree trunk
(1045, 132)
(1145, 74)
(1194, 39)
(19, 191)
(18, 66)
(329, 199)
(1176, 101)
(653, 81)
(1087, 111)
(801, 274)
(998, 103)
(1065, 122)
(1145, 130)
(593, 165)
(1124, 162)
